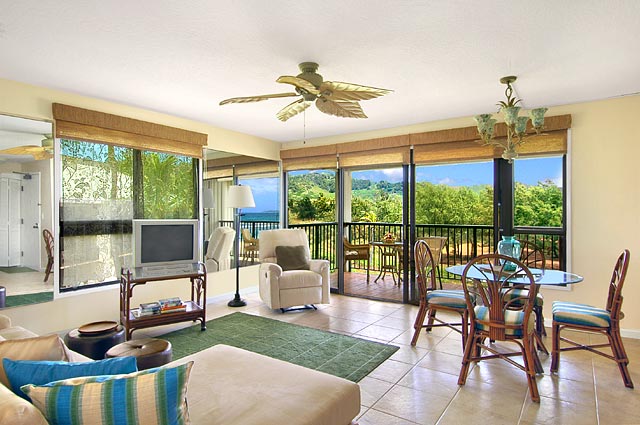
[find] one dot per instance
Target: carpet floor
(340, 355)
(16, 269)
(39, 297)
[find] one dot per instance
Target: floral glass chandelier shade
(516, 125)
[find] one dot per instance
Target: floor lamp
(239, 197)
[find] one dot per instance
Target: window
(104, 187)
(539, 193)
(539, 200)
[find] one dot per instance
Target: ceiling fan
(44, 151)
(331, 97)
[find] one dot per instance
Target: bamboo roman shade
(84, 124)
(312, 158)
(244, 166)
(432, 147)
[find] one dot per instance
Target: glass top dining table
(542, 277)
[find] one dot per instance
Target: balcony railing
(464, 242)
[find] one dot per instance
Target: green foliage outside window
(309, 201)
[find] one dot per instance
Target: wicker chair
(250, 246)
(432, 299)
(496, 320)
(48, 243)
(353, 252)
(604, 321)
(532, 256)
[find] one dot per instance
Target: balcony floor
(355, 284)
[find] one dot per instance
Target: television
(165, 242)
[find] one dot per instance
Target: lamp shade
(240, 197)
(207, 199)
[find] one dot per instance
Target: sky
(528, 171)
(265, 193)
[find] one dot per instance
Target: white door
(14, 223)
(4, 222)
(32, 241)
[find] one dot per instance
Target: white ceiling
(442, 58)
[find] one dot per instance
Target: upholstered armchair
(218, 255)
(292, 278)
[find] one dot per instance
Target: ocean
(273, 216)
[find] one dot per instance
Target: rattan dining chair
(603, 321)
(496, 320)
(48, 243)
(532, 256)
(433, 299)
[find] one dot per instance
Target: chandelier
(516, 125)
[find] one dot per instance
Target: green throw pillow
(292, 258)
(154, 396)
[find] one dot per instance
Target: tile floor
(419, 385)
(25, 283)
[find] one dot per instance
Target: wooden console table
(196, 306)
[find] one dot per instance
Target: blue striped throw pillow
(154, 396)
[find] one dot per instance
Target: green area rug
(16, 269)
(38, 297)
(336, 354)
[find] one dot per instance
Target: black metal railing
(464, 242)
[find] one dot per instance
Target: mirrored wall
(26, 212)
(220, 171)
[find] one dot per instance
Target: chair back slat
(425, 272)
(532, 256)
(614, 299)
(489, 288)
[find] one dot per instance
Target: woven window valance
(83, 124)
(441, 146)
(313, 158)
(243, 165)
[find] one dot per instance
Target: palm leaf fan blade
(299, 83)
(336, 90)
(292, 109)
(258, 98)
(344, 109)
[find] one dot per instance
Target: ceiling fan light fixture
(331, 97)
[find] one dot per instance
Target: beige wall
(605, 196)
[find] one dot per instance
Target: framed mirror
(26, 212)
(222, 170)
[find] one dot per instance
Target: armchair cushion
(292, 258)
(294, 279)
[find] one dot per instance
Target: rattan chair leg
(539, 321)
(531, 363)
(432, 318)
(621, 357)
(418, 324)
(466, 358)
(555, 347)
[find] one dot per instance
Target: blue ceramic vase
(510, 247)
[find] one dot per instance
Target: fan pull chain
(304, 126)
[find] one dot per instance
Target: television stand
(196, 306)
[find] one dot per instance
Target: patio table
(389, 259)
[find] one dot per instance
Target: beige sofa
(230, 386)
